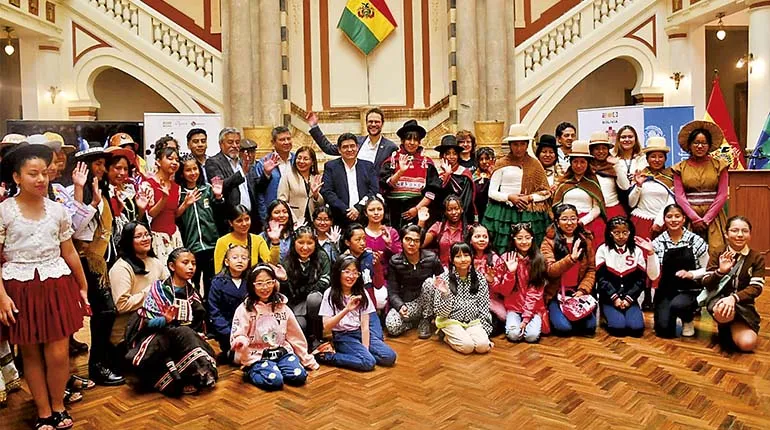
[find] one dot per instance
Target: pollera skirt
(499, 218)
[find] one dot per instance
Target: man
(197, 143)
(374, 147)
(347, 181)
(248, 152)
(565, 135)
(269, 169)
(227, 165)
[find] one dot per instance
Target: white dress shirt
(368, 150)
(350, 172)
(235, 164)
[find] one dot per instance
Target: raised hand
(316, 183)
(385, 233)
(644, 244)
(335, 233)
(576, 251)
(170, 313)
(143, 198)
(404, 162)
(217, 185)
(440, 285)
(726, 261)
(312, 119)
(80, 175)
(353, 303)
(192, 197)
(639, 178)
(512, 262)
(423, 214)
(97, 193)
(272, 162)
(274, 231)
(612, 159)
(280, 272)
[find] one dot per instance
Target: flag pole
(368, 90)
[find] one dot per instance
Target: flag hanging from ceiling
(761, 156)
(716, 112)
(366, 23)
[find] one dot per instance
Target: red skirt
(642, 226)
(598, 225)
(48, 310)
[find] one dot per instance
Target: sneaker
(424, 329)
(324, 348)
(688, 329)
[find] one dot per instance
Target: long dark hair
(292, 263)
(251, 293)
(335, 296)
(289, 223)
(104, 185)
(179, 175)
(537, 266)
(457, 248)
(616, 222)
(489, 251)
(348, 234)
(560, 248)
(126, 249)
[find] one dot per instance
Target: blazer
(383, 151)
(219, 165)
(292, 189)
(266, 186)
(335, 186)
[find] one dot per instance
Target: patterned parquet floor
(594, 383)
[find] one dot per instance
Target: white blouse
(610, 185)
(649, 200)
(30, 245)
(584, 203)
(507, 181)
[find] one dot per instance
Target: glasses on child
(143, 236)
(621, 233)
(351, 272)
(262, 284)
(569, 220)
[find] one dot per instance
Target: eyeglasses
(569, 220)
(411, 240)
(351, 272)
(621, 233)
(262, 284)
(143, 236)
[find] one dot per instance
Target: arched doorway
(122, 97)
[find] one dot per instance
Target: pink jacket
(268, 329)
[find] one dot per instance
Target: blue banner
(666, 121)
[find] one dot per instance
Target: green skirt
(499, 219)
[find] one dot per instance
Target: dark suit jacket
(335, 186)
(219, 165)
(383, 151)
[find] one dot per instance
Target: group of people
(285, 268)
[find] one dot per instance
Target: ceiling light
(721, 33)
(9, 49)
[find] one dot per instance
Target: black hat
(94, 152)
(448, 141)
(547, 141)
(23, 151)
(411, 125)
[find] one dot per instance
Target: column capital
(677, 32)
(648, 96)
(756, 4)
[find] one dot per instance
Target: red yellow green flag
(716, 111)
(366, 23)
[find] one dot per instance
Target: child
(240, 223)
(328, 234)
(382, 240)
(279, 226)
(355, 242)
(522, 282)
(346, 311)
(165, 337)
(266, 337)
(43, 291)
(199, 205)
(734, 281)
(485, 158)
(461, 303)
(227, 292)
(447, 232)
(623, 264)
(485, 261)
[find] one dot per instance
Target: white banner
(610, 119)
(176, 125)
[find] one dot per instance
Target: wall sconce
(53, 92)
(677, 77)
(721, 33)
(748, 58)
(9, 49)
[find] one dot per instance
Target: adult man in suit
(269, 169)
(347, 180)
(374, 147)
(237, 187)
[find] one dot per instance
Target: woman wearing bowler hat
(455, 178)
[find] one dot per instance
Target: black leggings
(670, 307)
(102, 320)
(204, 268)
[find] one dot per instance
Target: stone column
(240, 75)
(467, 65)
(759, 72)
(510, 57)
(496, 61)
(679, 62)
(270, 63)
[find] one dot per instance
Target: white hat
(13, 138)
(580, 149)
(656, 144)
(598, 138)
(517, 132)
(39, 139)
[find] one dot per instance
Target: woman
(455, 179)
(258, 250)
(127, 205)
(301, 187)
(467, 156)
(627, 149)
(610, 173)
(381, 239)
(485, 159)
(518, 192)
(133, 274)
(700, 182)
(165, 234)
(408, 178)
(683, 256)
(547, 153)
(580, 188)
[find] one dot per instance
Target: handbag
(576, 308)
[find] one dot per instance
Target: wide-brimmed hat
(598, 138)
(122, 139)
(448, 141)
(517, 133)
(716, 133)
(656, 144)
(12, 139)
(411, 125)
(39, 139)
(580, 149)
(22, 151)
(94, 152)
(119, 151)
(56, 137)
(248, 144)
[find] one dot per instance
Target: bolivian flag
(366, 23)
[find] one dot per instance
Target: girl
(43, 290)
(240, 223)
(355, 242)
(346, 311)
(126, 204)
(301, 186)
(382, 240)
(624, 263)
(308, 266)
(467, 156)
(683, 257)
(447, 232)
(523, 277)
(133, 274)
(456, 179)
(227, 292)
(280, 224)
(610, 173)
(165, 337)
(266, 337)
(199, 206)
(734, 281)
(327, 233)
(569, 259)
(485, 261)
(163, 210)
(461, 302)
(485, 158)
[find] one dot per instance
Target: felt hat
(118, 151)
(123, 139)
(598, 138)
(411, 125)
(545, 141)
(56, 137)
(656, 144)
(716, 133)
(580, 149)
(248, 144)
(517, 133)
(448, 141)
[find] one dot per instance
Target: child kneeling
(266, 337)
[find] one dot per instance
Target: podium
(750, 197)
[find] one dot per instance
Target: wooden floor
(596, 383)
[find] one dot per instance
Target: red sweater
(518, 295)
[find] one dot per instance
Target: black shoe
(424, 329)
(104, 376)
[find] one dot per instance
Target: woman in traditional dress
(455, 179)
(610, 173)
(547, 153)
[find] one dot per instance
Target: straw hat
(12, 139)
(656, 144)
(94, 152)
(56, 137)
(598, 138)
(517, 133)
(580, 149)
(716, 133)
